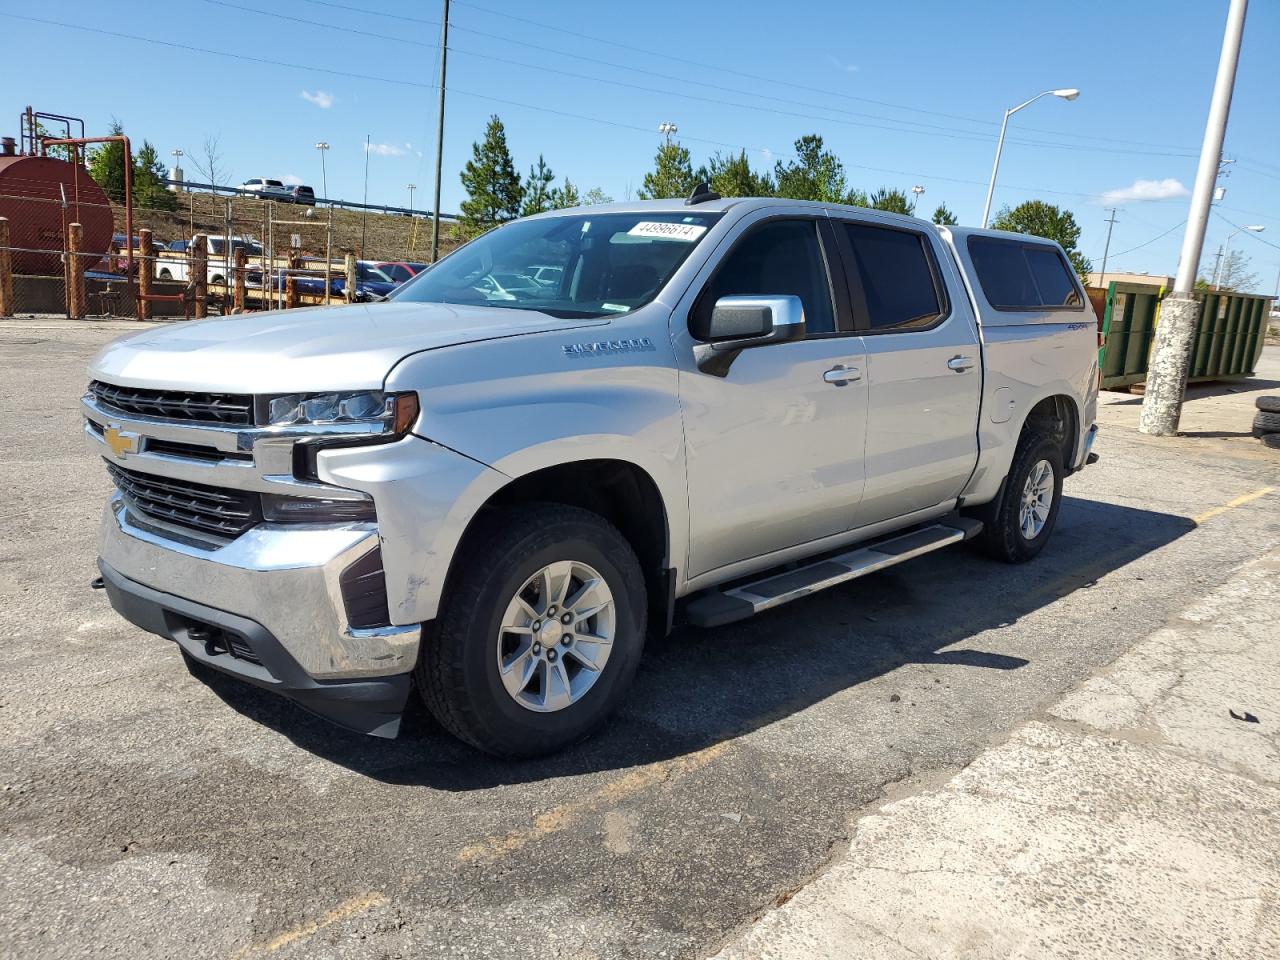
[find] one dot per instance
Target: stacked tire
(1266, 422)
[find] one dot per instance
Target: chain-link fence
(194, 254)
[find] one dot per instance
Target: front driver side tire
(539, 634)
(1020, 521)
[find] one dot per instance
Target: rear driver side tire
(540, 593)
(1019, 523)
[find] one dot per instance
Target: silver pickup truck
(494, 486)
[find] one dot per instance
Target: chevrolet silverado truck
(717, 406)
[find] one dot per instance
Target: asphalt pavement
(148, 813)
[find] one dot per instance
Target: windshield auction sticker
(684, 232)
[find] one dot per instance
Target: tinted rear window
(1022, 276)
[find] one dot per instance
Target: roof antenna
(701, 194)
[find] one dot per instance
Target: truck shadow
(697, 688)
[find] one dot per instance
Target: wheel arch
(621, 492)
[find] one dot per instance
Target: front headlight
(388, 413)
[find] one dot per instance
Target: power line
(513, 103)
(1147, 243)
(613, 65)
(927, 129)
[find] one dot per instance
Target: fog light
(283, 509)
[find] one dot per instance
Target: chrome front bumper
(283, 578)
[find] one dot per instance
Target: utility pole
(364, 214)
(1111, 224)
(444, 59)
(1217, 263)
(1180, 312)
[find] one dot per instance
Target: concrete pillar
(1167, 373)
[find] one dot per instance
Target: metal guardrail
(320, 201)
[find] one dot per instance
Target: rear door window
(1022, 276)
(896, 273)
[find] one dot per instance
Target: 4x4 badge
(122, 444)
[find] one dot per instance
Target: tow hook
(97, 583)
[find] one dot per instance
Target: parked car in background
(267, 189)
(220, 264)
(547, 276)
(401, 271)
(301, 194)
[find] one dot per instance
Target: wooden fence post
(237, 302)
(349, 291)
(146, 272)
(199, 273)
(75, 275)
(291, 282)
(6, 271)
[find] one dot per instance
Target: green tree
(596, 195)
(537, 189)
(149, 174)
(106, 165)
(672, 175)
(944, 217)
(891, 201)
(1040, 219)
(566, 196)
(732, 176)
(815, 174)
(494, 192)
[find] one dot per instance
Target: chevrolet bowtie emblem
(122, 444)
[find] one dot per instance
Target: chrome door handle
(840, 375)
(960, 364)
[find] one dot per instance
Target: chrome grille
(185, 406)
(195, 506)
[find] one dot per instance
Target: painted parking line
(616, 790)
(347, 908)
(1237, 502)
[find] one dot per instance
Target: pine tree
(596, 195)
(537, 189)
(566, 196)
(148, 181)
(732, 176)
(815, 174)
(672, 176)
(493, 187)
(890, 201)
(944, 217)
(106, 165)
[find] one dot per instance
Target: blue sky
(906, 93)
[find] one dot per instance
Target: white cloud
(321, 98)
(1146, 190)
(384, 149)
(291, 180)
(841, 65)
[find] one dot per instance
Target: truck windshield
(585, 265)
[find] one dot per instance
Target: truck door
(774, 443)
(923, 367)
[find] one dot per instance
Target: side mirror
(741, 322)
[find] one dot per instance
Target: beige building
(1146, 279)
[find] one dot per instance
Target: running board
(718, 607)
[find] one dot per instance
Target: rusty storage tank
(31, 192)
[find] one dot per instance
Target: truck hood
(322, 348)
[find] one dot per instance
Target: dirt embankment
(372, 236)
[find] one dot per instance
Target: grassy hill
(386, 236)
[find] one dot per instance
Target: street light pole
(412, 187)
(444, 59)
(918, 191)
(323, 146)
(1102, 277)
(1180, 312)
(1224, 251)
(1064, 94)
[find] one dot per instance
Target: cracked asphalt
(145, 812)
